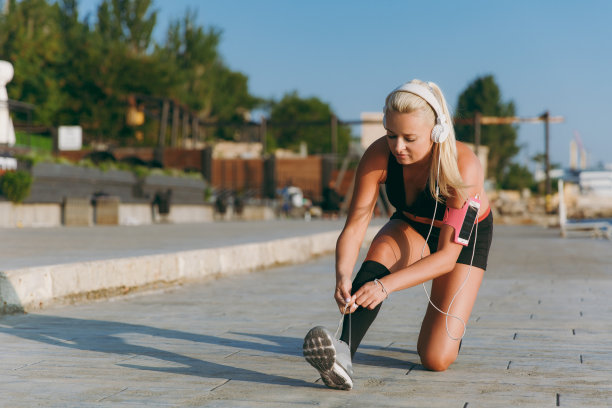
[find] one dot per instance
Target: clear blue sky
(545, 55)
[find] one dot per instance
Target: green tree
(204, 82)
(517, 177)
(540, 160)
(30, 40)
(16, 185)
(130, 22)
(80, 73)
(123, 65)
(75, 68)
(483, 95)
(294, 120)
(191, 52)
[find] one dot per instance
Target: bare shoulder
(375, 158)
(379, 148)
(472, 174)
(468, 163)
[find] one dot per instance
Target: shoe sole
(320, 353)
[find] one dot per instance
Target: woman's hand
(343, 295)
(370, 295)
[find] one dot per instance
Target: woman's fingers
(352, 306)
(347, 305)
(367, 296)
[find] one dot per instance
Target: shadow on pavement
(375, 360)
(105, 337)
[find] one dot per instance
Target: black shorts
(483, 244)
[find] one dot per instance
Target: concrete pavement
(538, 337)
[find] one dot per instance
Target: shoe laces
(340, 324)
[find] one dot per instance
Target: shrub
(15, 185)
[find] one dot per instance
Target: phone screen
(468, 223)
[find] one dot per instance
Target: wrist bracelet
(382, 287)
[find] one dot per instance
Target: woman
(430, 178)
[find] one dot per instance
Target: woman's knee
(435, 359)
(384, 250)
(397, 245)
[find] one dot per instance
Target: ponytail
(450, 182)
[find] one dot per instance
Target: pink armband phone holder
(462, 220)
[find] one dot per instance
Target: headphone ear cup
(436, 133)
(439, 133)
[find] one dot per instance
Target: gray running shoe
(331, 357)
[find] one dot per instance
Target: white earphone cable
(447, 314)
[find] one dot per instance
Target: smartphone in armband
(462, 220)
(468, 223)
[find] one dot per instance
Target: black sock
(362, 318)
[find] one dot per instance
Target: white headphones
(441, 129)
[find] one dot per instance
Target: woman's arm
(445, 258)
(370, 173)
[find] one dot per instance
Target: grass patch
(34, 141)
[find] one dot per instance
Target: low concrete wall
(135, 214)
(258, 213)
(29, 215)
(35, 288)
(50, 215)
(184, 213)
(249, 213)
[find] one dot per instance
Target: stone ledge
(30, 289)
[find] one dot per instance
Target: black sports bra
(424, 203)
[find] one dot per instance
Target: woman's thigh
(440, 335)
(397, 245)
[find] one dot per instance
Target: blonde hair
(448, 179)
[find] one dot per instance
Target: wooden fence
(257, 177)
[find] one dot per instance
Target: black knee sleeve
(362, 318)
(369, 271)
